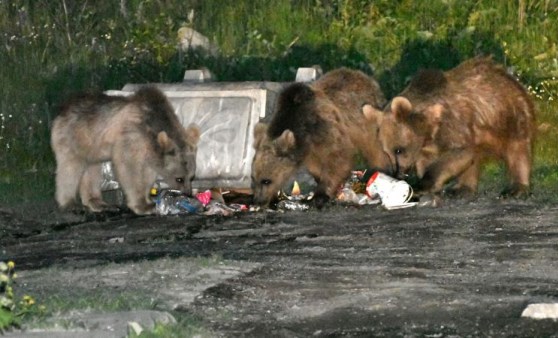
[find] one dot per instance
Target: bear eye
(180, 180)
(265, 181)
(399, 151)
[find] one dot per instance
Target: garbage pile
(354, 191)
(362, 188)
(373, 187)
(209, 202)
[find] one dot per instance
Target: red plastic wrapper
(204, 197)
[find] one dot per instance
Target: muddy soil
(464, 269)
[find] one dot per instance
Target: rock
(541, 311)
(192, 39)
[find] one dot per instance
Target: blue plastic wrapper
(174, 202)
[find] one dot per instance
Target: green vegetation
(109, 301)
(51, 48)
(58, 305)
(7, 304)
(12, 308)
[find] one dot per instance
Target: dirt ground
(465, 269)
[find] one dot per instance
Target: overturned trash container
(226, 113)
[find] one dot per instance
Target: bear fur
(321, 127)
(445, 124)
(140, 134)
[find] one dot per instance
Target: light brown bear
(444, 124)
(321, 127)
(140, 134)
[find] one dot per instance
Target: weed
(12, 310)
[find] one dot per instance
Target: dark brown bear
(321, 127)
(444, 124)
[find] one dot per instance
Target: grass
(54, 306)
(99, 301)
(52, 48)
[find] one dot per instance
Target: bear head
(179, 162)
(273, 164)
(407, 135)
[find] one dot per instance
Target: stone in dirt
(541, 311)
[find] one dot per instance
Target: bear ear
(259, 133)
(434, 118)
(304, 94)
(427, 123)
(372, 114)
(435, 113)
(193, 134)
(165, 142)
(401, 108)
(285, 143)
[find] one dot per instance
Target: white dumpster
(226, 113)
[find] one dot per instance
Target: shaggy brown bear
(444, 124)
(321, 127)
(140, 134)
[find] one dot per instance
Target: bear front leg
(320, 198)
(330, 178)
(134, 184)
(467, 181)
(448, 166)
(90, 189)
(135, 176)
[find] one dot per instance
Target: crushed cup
(392, 192)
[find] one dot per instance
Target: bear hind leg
(518, 162)
(69, 170)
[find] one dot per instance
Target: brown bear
(321, 127)
(140, 134)
(444, 124)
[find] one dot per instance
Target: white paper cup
(392, 191)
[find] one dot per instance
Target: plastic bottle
(174, 202)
